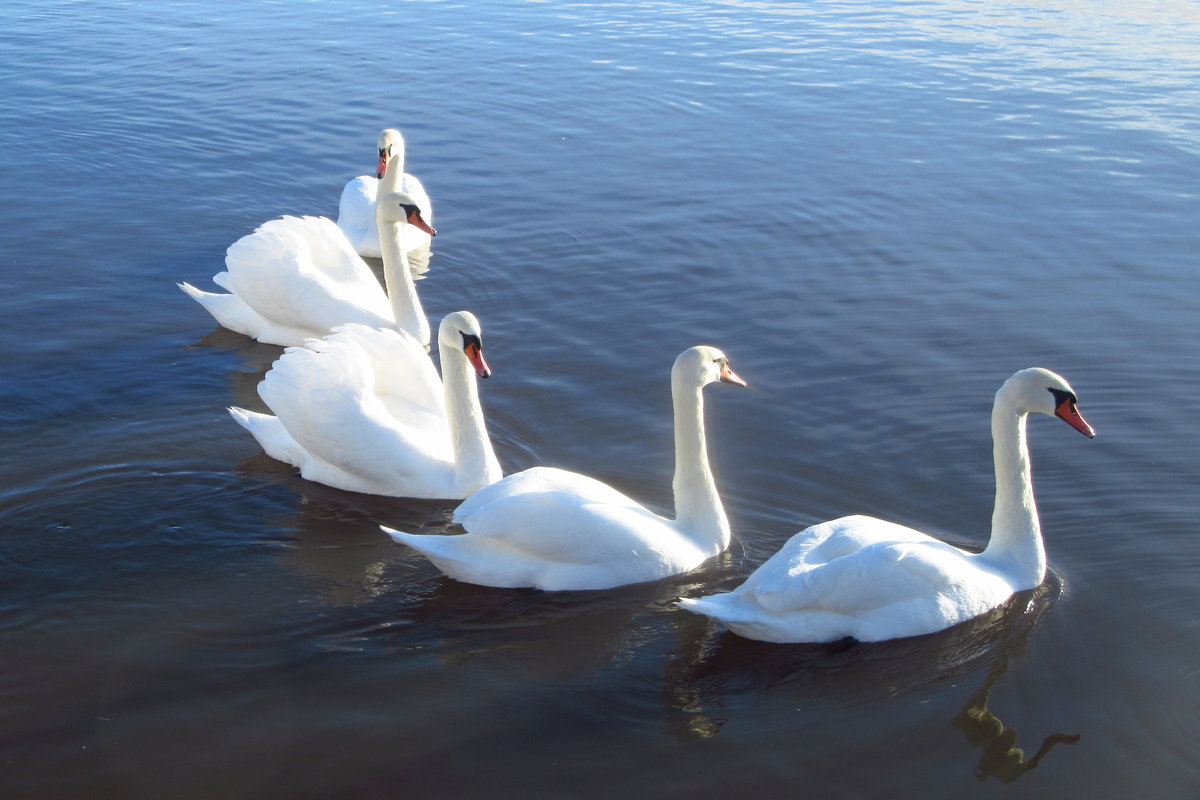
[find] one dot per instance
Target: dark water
(879, 211)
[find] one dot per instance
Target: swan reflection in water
(715, 671)
(999, 757)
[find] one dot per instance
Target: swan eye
(471, 339)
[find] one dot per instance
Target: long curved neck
(401, 290)
(699, 513)
(393, 176)
(1016, 543)
(475, 463)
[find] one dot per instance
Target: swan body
(872, 580)
(553, 529)
(291, 279)
(364, 410)
(356, 208)
(297, 278)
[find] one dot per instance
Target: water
(878, 211)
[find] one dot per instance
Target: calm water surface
(879, 211)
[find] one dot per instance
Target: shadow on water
(715, 671)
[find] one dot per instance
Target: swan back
(303, 271)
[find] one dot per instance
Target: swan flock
(358, 404)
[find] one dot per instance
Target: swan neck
(393, 176)
(401, 289)
(699, 512)
(1016, 545)
(475, 463)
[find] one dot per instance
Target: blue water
(878, 211)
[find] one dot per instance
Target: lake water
(878, 211)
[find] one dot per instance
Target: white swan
(872, 580)
(296, 278)
(356, 208)
(552, 529)
(363, 410)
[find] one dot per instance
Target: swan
(356, 208)
(552, 529)
(296, 278)
(872, 580)
(364, 410)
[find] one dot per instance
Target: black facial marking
(471, 339)
(1061, 397)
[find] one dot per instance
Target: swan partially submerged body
(872, 580)
(554, 529)
(364, 410)
(356, 207)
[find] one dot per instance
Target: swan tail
(231, 312)
(431, 546)
(723, 607)
(446, 553)
(227, 309)
(401, 536)
(270, 434)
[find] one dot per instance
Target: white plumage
(364, 410)
(865, 578)
(553, 529)
(356, 207)
(294, 278)
(297, 278)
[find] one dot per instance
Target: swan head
(390, 143)
(1046, 392)
(400, 207)
(706, 365)
(460, 332)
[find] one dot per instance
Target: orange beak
(1069, 413)
(381, 170)
(729, 376)
(475, 356)
(416, 219)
